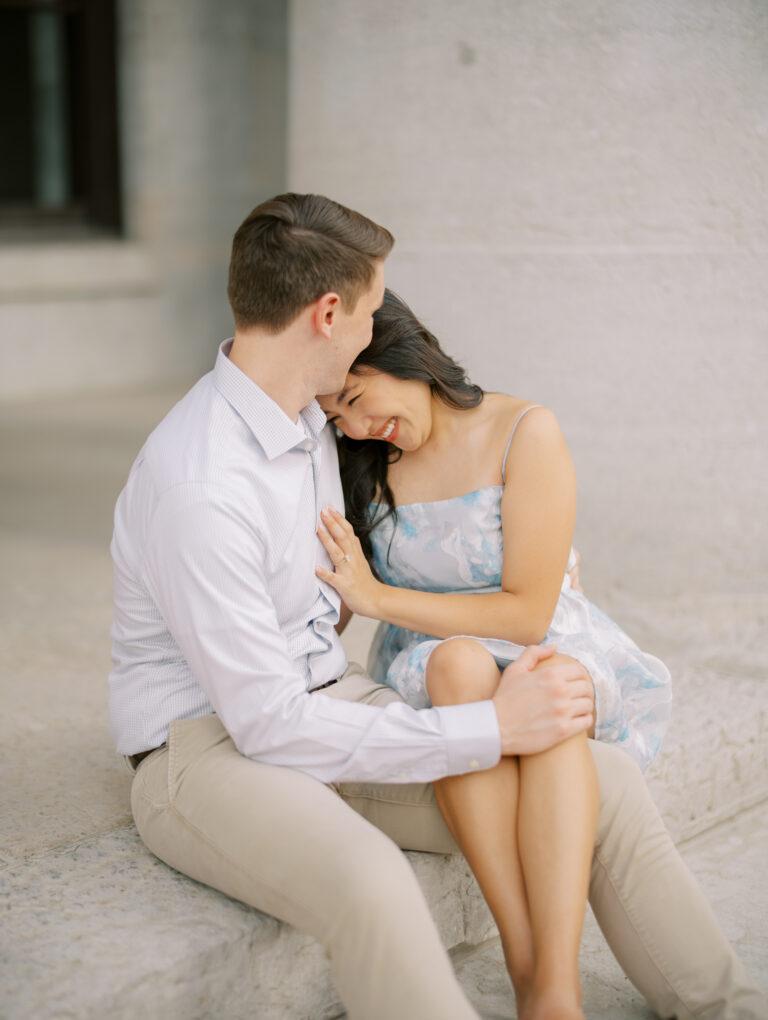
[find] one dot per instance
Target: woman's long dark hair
(401, 346)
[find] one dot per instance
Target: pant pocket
(149, 789)
(188, 740)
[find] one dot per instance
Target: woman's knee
(459, 670)
(562, 754)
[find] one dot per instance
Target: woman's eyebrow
(339, 399)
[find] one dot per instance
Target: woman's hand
(352, 577)
(573, 573)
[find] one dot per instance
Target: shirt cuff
(472, 736)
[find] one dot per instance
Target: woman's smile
(389, 430)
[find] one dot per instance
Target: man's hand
(541, 703)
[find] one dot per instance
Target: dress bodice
(446, 545)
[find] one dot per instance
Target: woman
(460, 512)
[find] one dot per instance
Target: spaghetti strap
(516, 422)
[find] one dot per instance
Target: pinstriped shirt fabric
(217, 607)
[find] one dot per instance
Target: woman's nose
(357, 430)
(358, 426)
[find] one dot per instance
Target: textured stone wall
(579, 197)
(202, 126)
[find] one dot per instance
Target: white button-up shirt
(217, 607)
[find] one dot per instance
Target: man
(251, 734)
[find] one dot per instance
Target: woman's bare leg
(557, 822)
(536, 814)
(480, 808)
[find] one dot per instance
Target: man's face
(352, 331)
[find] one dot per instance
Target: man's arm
(204, 567)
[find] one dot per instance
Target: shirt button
(474, 764)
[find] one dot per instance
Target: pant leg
(280, 841)
(652, 912)
(407, 812)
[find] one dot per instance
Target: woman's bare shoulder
(505, 409)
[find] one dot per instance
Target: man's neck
(271, 361)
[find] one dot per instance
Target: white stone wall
(578, 192)
(202, 123)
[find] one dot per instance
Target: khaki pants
(326, 859)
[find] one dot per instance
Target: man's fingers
(573, 671)
(582, 706)
(580, 688)
(579, 724)
(534, 654)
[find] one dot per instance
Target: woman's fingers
(336, 523)
(332, 547)
(573, 573)
(337, 535)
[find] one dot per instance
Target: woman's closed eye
(334, 419)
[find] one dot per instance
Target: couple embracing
(502, 715)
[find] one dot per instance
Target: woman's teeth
(389, 429)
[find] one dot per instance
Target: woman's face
(374, 405)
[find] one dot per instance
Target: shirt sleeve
(204, 567)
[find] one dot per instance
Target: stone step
(105, 929)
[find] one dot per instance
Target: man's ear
(324, 315)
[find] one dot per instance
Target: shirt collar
(268, 422)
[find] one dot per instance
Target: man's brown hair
(294, 248)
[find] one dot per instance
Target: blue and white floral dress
(455, 545)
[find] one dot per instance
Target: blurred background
(579, 195)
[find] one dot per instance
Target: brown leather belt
(334, 681)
